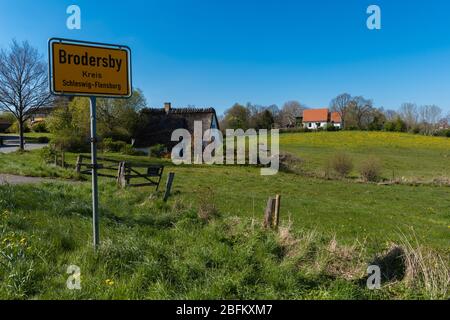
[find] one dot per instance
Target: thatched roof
(157, 125)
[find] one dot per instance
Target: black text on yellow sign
(90, 70)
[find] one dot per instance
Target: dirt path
(14, 180)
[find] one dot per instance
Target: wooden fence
(124, 171)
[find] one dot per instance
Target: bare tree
(290, 112)
(410, 114)
(340, 105)
(429, 116)
(390, 114)
(23, 83)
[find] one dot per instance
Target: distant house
(319, 118)
(157, 125)
(41, 114)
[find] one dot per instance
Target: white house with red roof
(314, 119)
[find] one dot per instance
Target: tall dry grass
(426, 269)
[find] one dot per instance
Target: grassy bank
(152, 250)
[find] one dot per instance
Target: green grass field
(156, 250)
(402, 155)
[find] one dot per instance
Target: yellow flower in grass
(109, 282)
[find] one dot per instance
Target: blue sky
(217, 52)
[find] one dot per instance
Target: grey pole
(93, 102)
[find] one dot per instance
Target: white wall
(315, 127)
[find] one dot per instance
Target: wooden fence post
(276, 218)
(119, 172)
(79, 163)
(169, 186)
(268, 216)
(122, 175)
(272, 213)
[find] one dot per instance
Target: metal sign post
(90, 69)
(95, 224)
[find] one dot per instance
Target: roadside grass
(30, 163)
(411, 156)
(153, 250)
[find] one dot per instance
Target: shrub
(128, 149)
(371, 170)
(331, 127)
(70, 143)
(443, 133)
(47, 154)
(397, 125)
(290, 163)
(39, 127)
(109, 145)
(15, 128)
(342, 164)
(295, 130)
(157, 150)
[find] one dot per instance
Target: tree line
(357, 113)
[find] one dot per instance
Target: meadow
(207, 241)
(413, 157)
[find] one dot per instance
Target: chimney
(167, 107)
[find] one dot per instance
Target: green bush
(15, 128)
(39, 127)
(397, 125)
(70, 142)
(109, 145)
(47, 154)
(295, 130)
(443, 133)
(130, 151)
(332, 128)
(157, 150)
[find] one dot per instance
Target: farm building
(157, 125)
(319, 118)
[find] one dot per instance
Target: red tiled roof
(336, 117)
(315, 115)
